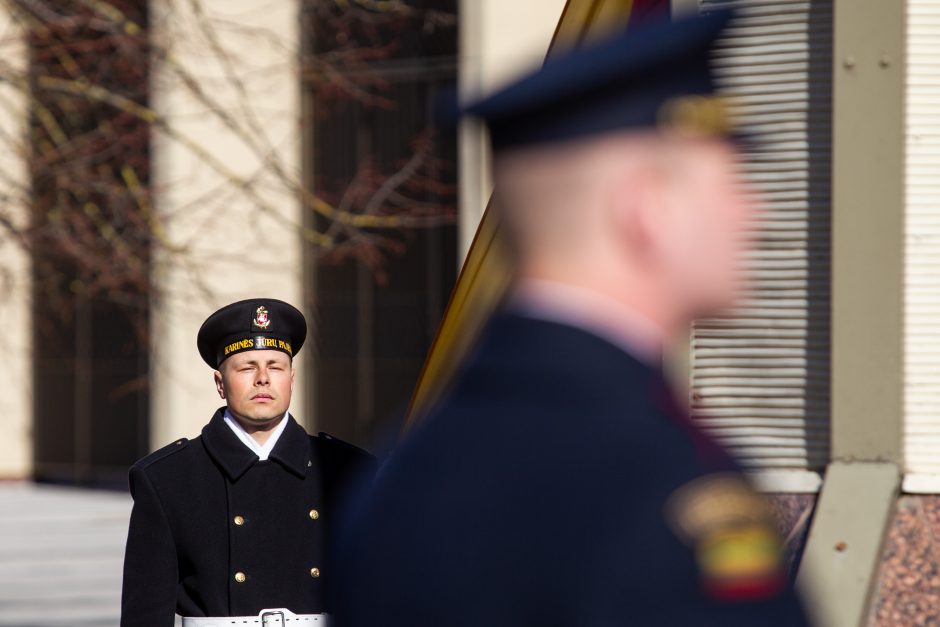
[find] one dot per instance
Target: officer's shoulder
(332, 444)
(161, 454)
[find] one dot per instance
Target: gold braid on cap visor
(697, 116)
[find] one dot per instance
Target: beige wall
(922, 248)
(235, 245)
(16, 404)
(499, 41)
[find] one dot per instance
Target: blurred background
(159, 159)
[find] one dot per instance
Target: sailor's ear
(219, 385)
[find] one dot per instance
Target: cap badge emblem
(261, 318)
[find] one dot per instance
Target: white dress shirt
(261, 450)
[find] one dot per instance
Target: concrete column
(229, 91)
(868, 230)
(16, 356)
(498, 41)
(868, 173)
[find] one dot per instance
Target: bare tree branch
(86, 92)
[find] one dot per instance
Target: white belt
(278, 617)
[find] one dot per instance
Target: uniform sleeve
(345, 467)
(714, 560)
(148, 598)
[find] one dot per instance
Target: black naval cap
(654, 76)
(253, 324)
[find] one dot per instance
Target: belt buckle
(267, 613)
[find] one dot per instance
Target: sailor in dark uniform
(559, 483)
(237, 520)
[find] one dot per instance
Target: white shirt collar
(261, 450)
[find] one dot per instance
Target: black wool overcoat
(214, 531)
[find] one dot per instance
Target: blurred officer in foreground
(237, 521)
(558, 482)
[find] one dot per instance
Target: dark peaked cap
(253, 324)
(653, 76)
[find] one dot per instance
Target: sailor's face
(256, 384)
(710, 233)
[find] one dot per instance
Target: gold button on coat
(240, 577)
(239, 520)
(314, 514)
(314, 572)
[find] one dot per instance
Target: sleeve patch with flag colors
(731, 532)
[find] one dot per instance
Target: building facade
(825, 382)
(261, 111)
